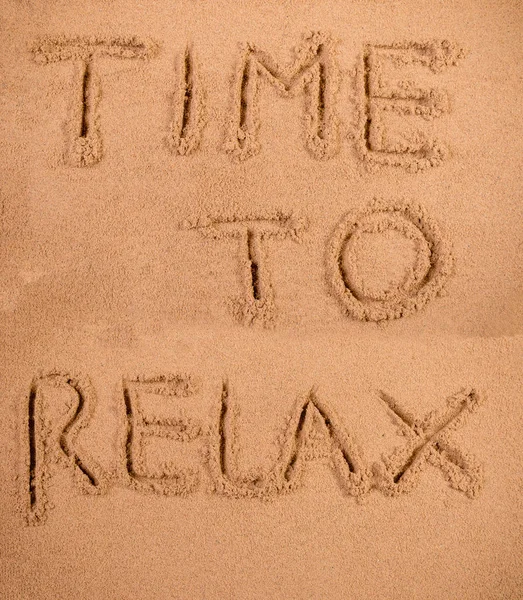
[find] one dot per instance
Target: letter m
(313, 72)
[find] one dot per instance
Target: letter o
(433, 265)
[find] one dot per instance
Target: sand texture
(261, 300)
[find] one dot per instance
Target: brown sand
(260, 300)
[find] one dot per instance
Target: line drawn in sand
(427, 278)
(376, 97)
(256, 304)
(45, 446)
(188, 118)
(84, 139)
(314, 71)
(134, 471)
(429, 442)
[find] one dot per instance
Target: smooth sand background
(97, 277)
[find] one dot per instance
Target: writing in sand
(380, 98)
(60, 405)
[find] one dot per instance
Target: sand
(260, 300)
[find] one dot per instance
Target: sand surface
(261, 300)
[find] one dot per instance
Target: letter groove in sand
(425, 280)
(257, 303)
(377, 97)
(84, 139)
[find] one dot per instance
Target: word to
(423, 281)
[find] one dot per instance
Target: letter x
(429, 442)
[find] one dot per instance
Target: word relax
(313, 431)
(314, 72)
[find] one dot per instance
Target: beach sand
(260, 300)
